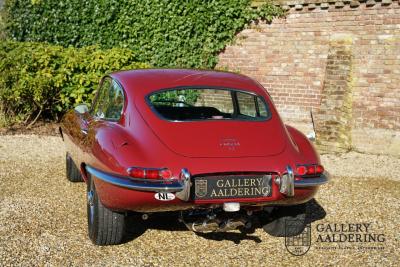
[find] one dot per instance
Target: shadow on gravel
(315, 211)
(168, 221)
(230, 236)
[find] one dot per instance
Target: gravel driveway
(43, 218)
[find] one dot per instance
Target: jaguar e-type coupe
(208, 146)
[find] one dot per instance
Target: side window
(262, 107)
(97, 110)
(110, 101)
(247, 105)
(251, 106)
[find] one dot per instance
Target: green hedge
(37, 78)
(168, 33)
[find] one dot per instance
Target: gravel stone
(43, 218)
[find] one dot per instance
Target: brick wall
(334, 116)
(219, 99)
(222, 100)
(289, 57)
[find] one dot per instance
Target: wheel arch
(84, 172)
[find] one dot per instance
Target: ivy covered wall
(171, 33)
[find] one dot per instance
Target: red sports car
(207, 144)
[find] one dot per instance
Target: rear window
(208, 104)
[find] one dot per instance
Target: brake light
(309, 170)
(301, 170)
(152, 174)
(165, 173)
(320, 169)
(149, 173)
(136, 172)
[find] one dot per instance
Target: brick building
(340, 59)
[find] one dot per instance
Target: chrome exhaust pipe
(215, 225)
(231, 224)
(206, 226)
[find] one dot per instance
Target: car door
(105, 115)
(81, 125)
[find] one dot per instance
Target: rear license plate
(235, 186)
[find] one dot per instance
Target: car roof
(146, 81)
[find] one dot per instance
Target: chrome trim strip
(138, 184)
(310, 182)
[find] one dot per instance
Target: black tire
(105, 227)
(73, 172)
(297, 216)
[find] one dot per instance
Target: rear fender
(306, 149)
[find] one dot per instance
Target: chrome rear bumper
(181, 187)
(287, 182)
(309, 182)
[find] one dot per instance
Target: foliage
(2, 25)
(176, 97)
(168, 33)
(45, 80)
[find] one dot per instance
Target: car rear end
(219, 155)
(223, 148)
(232, 142)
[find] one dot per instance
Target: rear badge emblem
(201, 188)
(229, 143)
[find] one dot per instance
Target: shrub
(44, 80)
(168, 33)
(2, 25)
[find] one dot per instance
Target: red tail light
(301, 170)
(320, 169)
(152, 174)
(165, 173)
(149, 173)
(309, 170)
(136, 172)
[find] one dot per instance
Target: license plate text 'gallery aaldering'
(220, 187)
